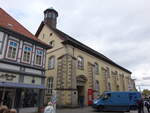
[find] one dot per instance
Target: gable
(47, 35)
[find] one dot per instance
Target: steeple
(50, 17)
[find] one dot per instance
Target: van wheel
(100, 108)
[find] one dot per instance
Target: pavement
(88, 110)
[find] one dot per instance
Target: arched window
(49, 85)
(80, 62)
(97, 87)
(96, 66)
(51, 62)
(107, 72)
(109, 87)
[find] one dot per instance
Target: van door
(107, 101)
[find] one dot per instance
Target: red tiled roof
(9, 22)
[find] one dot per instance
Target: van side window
(108, 95)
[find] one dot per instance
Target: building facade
(22, 66)
(75, 70)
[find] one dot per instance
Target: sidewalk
(89, 110)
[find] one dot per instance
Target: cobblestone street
(88, 110)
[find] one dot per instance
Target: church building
(74, 70)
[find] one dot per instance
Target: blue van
(117, 101)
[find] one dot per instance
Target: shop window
(27, 52)
(38, 57)
(96, 66)
(51, 62)
(29, 98)
(80, 62)
(12, 50)
(49, 85)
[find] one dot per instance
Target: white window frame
(1, 41)
(39, 55)
(96, 67)
(97, 86)
(26, 51)
(80, 62)
(51, 62)
(8, 47)
(50, 81)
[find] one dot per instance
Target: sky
(119, 29)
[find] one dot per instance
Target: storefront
(23, 97)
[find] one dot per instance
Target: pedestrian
(147, 105)
(3, 108)
(49, 108)
(81, 101)
(140, 105)
(7, 111)
(13, 111)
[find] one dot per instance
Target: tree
(146, 92)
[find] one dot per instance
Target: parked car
(117, 101)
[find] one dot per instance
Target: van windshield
(102, 95)
(105, 95)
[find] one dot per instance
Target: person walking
(81, 101)
(147, 105)
(3, 108)
(49, 108)
(140, 105)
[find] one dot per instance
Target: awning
(20, 85)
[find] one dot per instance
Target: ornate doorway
(81, 80)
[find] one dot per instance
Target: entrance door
(80, 95)
(7, 97)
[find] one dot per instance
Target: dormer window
(38, 57)
(12, 50)
(27, 52)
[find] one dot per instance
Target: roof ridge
(16, 21)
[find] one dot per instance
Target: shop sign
(7, 77)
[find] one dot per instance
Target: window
(109, 87)
(96, 68)
(38, 57)
(1, 40)
(107, 72)
(50, 85)
(12, 49)
(51, 62)
(49, 15)
(51, 43)
(80, 62)
(97, 87)
(27, 51)
(43, 36)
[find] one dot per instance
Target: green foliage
(146, 92)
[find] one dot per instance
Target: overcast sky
(119, 29)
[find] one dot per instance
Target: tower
(50, 17)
